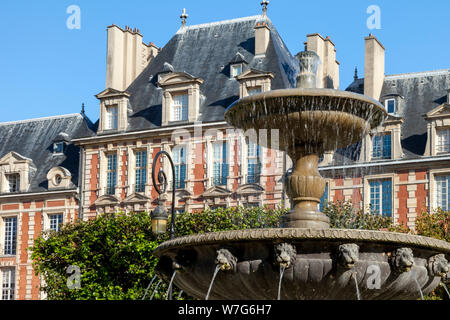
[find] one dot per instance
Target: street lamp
(160, 215)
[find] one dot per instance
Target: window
(141, 171)
(13, 182)
(324, 199)
(381, 197)
(236, 70)
(58, 148)
(220, 166)
(8, 284)
(443, 192)
(254, 90)
(390, 105)
(111, 174)
(443, 140)
(10, 236)
(55, 221)
(180, 107)
(254, 164)
(112, 118)
(381, 147)
(179, 161)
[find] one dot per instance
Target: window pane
(8, 284)
(13, 182)
(387, 198)
(253, 91)
(179, 161)
(390, 105)
(111, 174)
(10, 236)
(387, 146)
(324, 198)
(112, 118)
(141, 171)
(180, 107)
(55, 221)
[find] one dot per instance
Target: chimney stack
(374, 67)
(262, 37)
(127, 56)
(328, 70)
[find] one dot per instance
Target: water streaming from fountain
(358, 295)
(418, 285)
(156, 289)
(446, 289)
(179, 295)
(169, 290)
(148, 288)
(282, 269)
(212, 281)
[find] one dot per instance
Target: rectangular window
(180, 107)
(13, 182)
(443, 141)
(381, 146)
(254, 90)
(112, 118)
(141, 171)
(254, 163)
(236, 70)
(443, 192)
(381, 197)
(8, 284)
(220, 165)
(390, 105)
(179, 161)
(324, 199)
(111, 174)
(58, 147)
(10, 236)
(56, 221)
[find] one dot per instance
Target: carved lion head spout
(348, 255)
(402, 260)
(438, 266)
(285, 254)
(226, 260)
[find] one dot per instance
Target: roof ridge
(217, 23)
(417, 74)
(41, 119)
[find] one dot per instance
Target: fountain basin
(321, 264)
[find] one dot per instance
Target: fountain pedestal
(305, 187)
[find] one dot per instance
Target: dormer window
(13, 181)
(236, 70)
(254, 81)
(382, 146)
(112, 118)
(443, 140)
(391, 106)
(58, 148)
(180, 107)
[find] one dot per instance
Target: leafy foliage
(435, 224)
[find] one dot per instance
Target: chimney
(328, 71)
(448, 96)
(127, 56)
(262, 37)
(374, 67)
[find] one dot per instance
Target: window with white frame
(254, 163)
(443, 192)
(8, 276)
(382, 146)
(443, 140)
(220, 165)
(180, 107)
(381, 197)
(179, 161)
(391, 106)
(254, 90)
(10, 243)
(111, 178)
(55, 221)
(141, 171)
(13, 182)
(236, 70)
(58, 148)
(112, 118)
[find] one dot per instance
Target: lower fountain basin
(320, 264)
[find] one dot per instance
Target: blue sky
(47, 69)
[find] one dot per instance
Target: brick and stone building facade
(57, 170)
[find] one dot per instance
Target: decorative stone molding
(113, 98)
(180, 83)
(438, 266)
(348, 255)
(285, 255)
(252, 79)
(14, 163)
(402, 260)
(59, 178)
(437, 119)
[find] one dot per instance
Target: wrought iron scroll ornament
(162, 180)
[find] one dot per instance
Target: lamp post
(159, 215)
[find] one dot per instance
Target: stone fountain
(305, 259)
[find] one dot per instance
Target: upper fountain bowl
(324, 119)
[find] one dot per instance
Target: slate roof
(34, 139)
(418, 93)
(206, 51)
